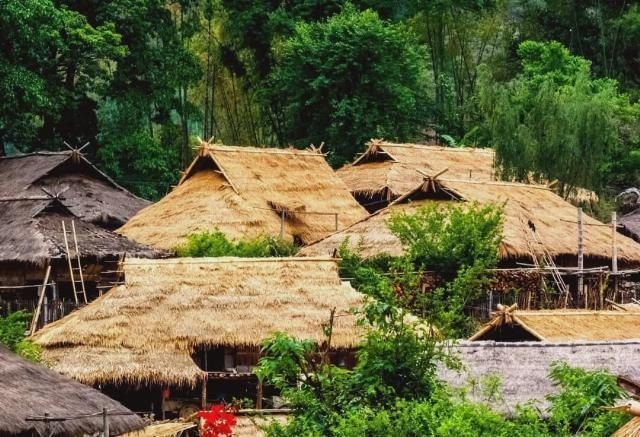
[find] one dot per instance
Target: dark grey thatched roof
(630, 224)
(29, 390)
(31, 231)
(88, 193)
(524, 367)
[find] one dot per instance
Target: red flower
(218, 422)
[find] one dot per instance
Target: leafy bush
(12, 334)
(214, 244)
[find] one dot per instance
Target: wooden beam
(43, 289)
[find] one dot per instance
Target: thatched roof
(630, 429)
(630, 224)
(243, 191)
(31, 232)
(147, 329)
(392, 169)
(510, 324)
(523, 367)
(31, 390)
(88, 193)
(554, 219)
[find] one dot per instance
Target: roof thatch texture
(243, 191)
(392, 168)
(31, 390)
(523, 368)
(560, 325)
(254, 425)
(147, 329)
(88, 193)
(630, 429)
(630, 224)
(31, 231)
(554, 219)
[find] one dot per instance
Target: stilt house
(246, 192)
(187, 331)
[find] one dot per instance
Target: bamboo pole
(614, 252)
(105, 422)
(43, 288)
(66, 246)
(581, 257)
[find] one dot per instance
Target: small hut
(386, 171)
(199, 322)
(524, 205)
(88, 193)
(523, 367)
(246, 192)
(29, 391)
(32, 242)
(513, 325)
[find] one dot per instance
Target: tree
(553, 121)
(346, 80)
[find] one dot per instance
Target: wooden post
(614, 252)
(203, 393)
(105, 422)
(581, 257)
(66, 246)
(43, 289)
(259, 396)
(336, 217)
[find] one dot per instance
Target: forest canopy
(553, 85)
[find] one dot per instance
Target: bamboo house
(525, 207)
(33, 253)
(246, 192)
(29, 391)
(386, 171)
(179, 325)
(88, 193)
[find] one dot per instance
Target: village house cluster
(114, 308)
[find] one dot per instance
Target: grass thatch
(30, 390)
(523, 367)
(88, 193)
(392, 168)
(31, 232)
(146, 330)
(242, 192)
(554, 219)
(560, 325)
(630, 429)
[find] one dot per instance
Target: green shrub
(215, 244)
(12, 334)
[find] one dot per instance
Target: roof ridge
(502, 183)
(37, 153)
(226, 259)
(266, 150)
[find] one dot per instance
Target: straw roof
(630, 224)
(629, 429)
(254, 425)
(511, 324)
(523, 367)
(146, 330)
(554, 219)
(31, 231)
(392, 168)
(243, 191)
(31, 390)
(88, 193)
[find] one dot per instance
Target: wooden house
(88, 193)
(554, 220)
(33, 252)
(29, 391)
(246, 192)
(196, 325)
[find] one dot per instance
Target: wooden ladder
(78, 268)
(533, 243)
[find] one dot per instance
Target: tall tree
(346, 80)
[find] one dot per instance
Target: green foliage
(214, 244)
(553, 121)
(578, 406)
(335, 82)
(12, 335)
